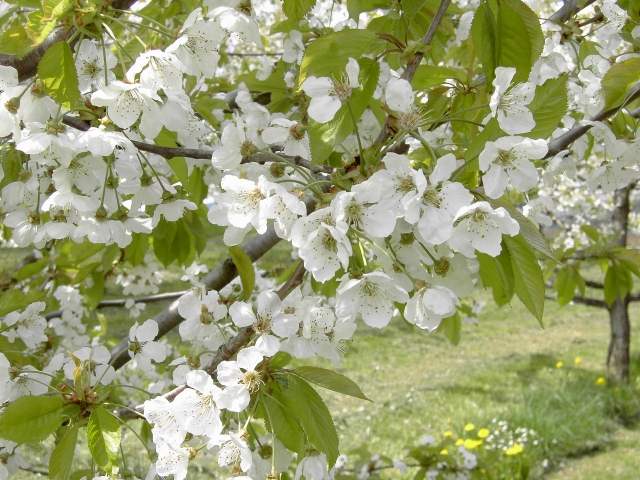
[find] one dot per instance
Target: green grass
(504, 367)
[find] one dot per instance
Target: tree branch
(569, 9)
(563, 141)
(204, 153)
(412, 66)
(27, 65)
(215, 280)
(230, 348)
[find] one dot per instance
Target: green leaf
(509, 36)
(496, 273)
(428, 76)
(164, 245)
(630, 257)
(527, 275)
(103, 437)
(61, 460)
(549, 106)
(356, 7)
(617, 282)
(302, 402)
(31, 419)
(452, 328)
(285, 427)
(297, 9)
(327, 56)
(57, 71)
(16, 300)
(244, 265)
(520, 38)
(14, 39)
(567, 280)
(618, 80)
(331, 380)
(136, 250)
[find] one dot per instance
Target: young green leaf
(618, 81)
(245, 269)
(331, 380)
(285, 427)
(57, 71)
(496, 273)
(31, 419)
(297, 9)
(103, 436)
(549, 106)
(452, 328)
(61, 459)
(303, 403)
(527, 275)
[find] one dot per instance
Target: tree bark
(619, 341)
(620, 332)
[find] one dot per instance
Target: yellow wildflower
(577, 361)
(447, 434)
(514, 449)
(560, 364)
(483, 433)
(601, 381)
(444, 451)
(469, 426)
(470, 444)
(459, 442)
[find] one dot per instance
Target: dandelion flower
(514, 449)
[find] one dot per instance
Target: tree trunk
(619, 341)
(620, 336)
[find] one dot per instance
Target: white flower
(97, 358)
(28, 325)
(284, 208)
(269, 306)
(509, 103)
(196, 407)
(429, 306)
(327, 95)
(161, 413)
(371, 296)
(322, 244)
(236, 143)
(201, 315)
(91, 67)
(362, 209)
(197, 48)
(234, 452)
(157, 70)
(293, 47)
(441, 201)
(240, 379)
(313, 467)
(243, 201)
(402, 186)
(142, 348)
(479, 227)
(507, 162)
(8, 77)
(290, 135)
(172, 460)
(172, 210)
(399, 95)
(126, 102)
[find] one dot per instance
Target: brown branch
(563, 141)
(412, 66)
(591, 302)
(569, 9)
(204, 153)
(229, 349)
(215, 280)
(27, 65)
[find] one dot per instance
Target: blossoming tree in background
(403, 152)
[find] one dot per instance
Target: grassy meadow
(505, 367)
